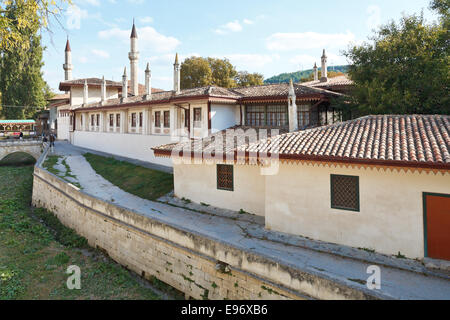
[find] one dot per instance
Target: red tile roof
(394, 140)
(413, 140)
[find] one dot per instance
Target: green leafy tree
(223, 73)
(28, 15)
(245, 79)
(404, 70)
(195, 72)
(22, 87)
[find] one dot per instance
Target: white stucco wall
(223, 117)
(390, 220)
(135, 146)
(198, 183)
(94, 94)
(63, 121)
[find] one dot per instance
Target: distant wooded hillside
(299, 75)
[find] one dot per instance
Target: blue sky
(269, 37)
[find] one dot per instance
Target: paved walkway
(395, 283)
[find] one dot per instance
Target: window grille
(158, 119)
(277, 116)
(166, 119)
(303, 116)
(345, 192)
(225, 179)
(133, 120)
(197, 117)
(255, 116)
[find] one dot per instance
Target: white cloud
(308, 40)
(305, 61)
(233, 26)
(248, 21)
(74, 16)
(149, 38)
(374, 19)
(145, 20)
(100, 53)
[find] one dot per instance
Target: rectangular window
(303, 116)
(111, 120)
(345, 192)
(81, 119)
(118, 120)
(186, 118)
(197, 117)
(277, 116)
(166, 119)
(98, 120)
(157, 119)
(133, 120)
(92, 120)
(141, 119)
(225, 179)
(255, 116)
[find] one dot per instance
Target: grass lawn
(142, 182)
(36, 249)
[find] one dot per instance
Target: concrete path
(395, 283)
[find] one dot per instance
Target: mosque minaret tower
(134, 60)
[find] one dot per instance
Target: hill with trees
(302, 75)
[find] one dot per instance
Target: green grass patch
(36, 249)
(142, 182)
(49, 164)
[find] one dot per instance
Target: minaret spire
(134, 61)
(324, 77)
(124, 85)
(68, 62)
(316, 72)
(176, 75)
(148, 82)
(85, 93)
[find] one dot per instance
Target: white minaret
(134, 59)
(292, 107)
(148, 83)
(85, 93)
(324, 77)
(316, 72)
(103, 89)
(176, 75)
(68, 67)
(124, 84)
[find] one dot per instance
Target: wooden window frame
(111, 120)
(133, 119)
(333, 206)
(218, 173)
(92, 120)
(141, 119)
(197, 117)
(118, 120)
(97, 119)
(166, 124)
(157, 119)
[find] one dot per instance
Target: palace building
(129, 119)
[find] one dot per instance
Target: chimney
(316, 72)
(103, 90)
(324, 77)
(134, 60)
(148, 83)
(176, 75)
(292, 108)
(124, 85)
(85, 93)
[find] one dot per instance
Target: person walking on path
(52, 141)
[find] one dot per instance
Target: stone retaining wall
(192, 263)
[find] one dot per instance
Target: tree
(195, 72)
(223, 73)
(245, 79)
(28, 15)
(22, 87)
(404, 71)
